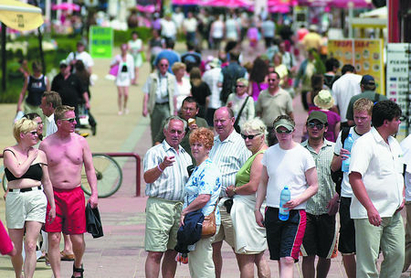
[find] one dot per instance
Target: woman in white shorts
(125, 74)
(135, 46)
(26, 172)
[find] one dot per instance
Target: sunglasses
(280, 131)
(71, 120)
(272, 80)
(33, 132)
(163, 65)
(250, 137)
(239, 86)
(318, 125)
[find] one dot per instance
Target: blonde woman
(27, 174)
(250, 239)
(183, 84)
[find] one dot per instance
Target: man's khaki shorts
(162, 223)
(226, 231)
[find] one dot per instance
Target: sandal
(78, 270)
(66, 257)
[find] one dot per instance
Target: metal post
(40, 37)
(3, 56)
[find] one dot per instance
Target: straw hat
(324, 100)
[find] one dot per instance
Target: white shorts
(25, 206)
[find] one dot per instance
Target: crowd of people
(223, 150)
(250, 108)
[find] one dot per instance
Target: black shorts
(346, 244)
(320, 236)
(284, 238)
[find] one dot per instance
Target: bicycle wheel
(109, 176)
(4, 182)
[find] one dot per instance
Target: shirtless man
(66, 152)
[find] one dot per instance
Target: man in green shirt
(322, 207)
(368, 91)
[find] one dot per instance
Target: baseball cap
(367, 80)
(284, 123)
(63, 63)
(319, 116)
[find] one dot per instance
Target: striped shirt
(170, 184)
(229, 155)
(317, 204)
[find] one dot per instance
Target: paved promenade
(120, 253)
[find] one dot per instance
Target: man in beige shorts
(165, 174)
(66, 153)
(229, 153)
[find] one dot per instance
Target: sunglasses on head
(71, 120)
(317, 125)
(250, 137)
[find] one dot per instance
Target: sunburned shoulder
(56, 139)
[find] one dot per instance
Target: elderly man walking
(165, 172)
(159, 91)
(229, 153)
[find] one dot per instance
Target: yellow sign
(365, 55)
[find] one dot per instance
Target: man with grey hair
(165, 174)
(229, 153)
(159, 91)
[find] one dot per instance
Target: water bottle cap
(285, 186)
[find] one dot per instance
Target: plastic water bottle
(348, 142)
(285, 196)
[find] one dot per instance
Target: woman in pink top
(258, 76)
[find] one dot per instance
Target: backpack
(338, 175)
(230, 79)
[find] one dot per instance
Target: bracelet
(158, 167)
(256, 209)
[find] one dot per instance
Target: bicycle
(108, 173)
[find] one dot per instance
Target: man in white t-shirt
(211, 77)
(346, 243)
(378, 185)
(347, 86)
(285, 164)
(168, 28)
(190, 27)
(82, 55)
